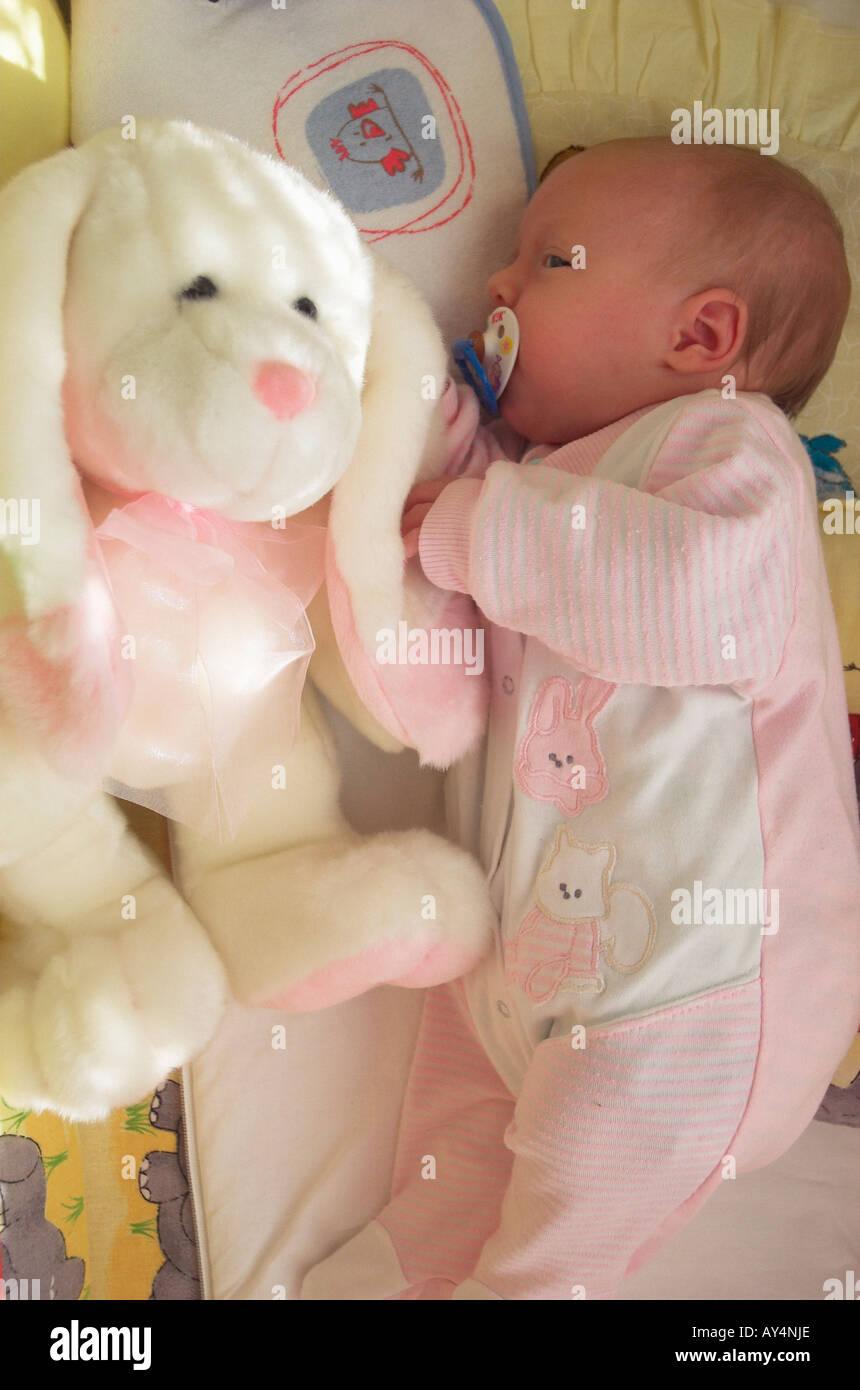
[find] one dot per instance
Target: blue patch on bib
(376, 142)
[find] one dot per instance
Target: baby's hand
(415, 509)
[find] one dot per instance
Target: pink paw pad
(408, 964)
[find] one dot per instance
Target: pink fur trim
(411, 964)
(62, 682)
(439, 710)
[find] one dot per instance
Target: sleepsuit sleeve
(690, 585)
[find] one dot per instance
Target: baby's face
(590, 339)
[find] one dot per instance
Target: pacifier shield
(487, 359)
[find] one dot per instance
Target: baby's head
(699, 261)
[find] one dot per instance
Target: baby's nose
(283, 389)
(501, 289)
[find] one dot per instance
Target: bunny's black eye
(201, 288)
(306, 306)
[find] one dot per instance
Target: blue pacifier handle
(473, 374)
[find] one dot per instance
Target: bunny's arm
(693, 586)
(616, 1144)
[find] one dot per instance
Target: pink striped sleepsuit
(665, 810)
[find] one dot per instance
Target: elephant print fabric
(34, 1263)
(580, 919)
(56, 1243)
(560, 758)
(163, 1179)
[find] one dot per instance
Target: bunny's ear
(404, 377)
(61, 683)
(549, 706)
(43, 528)
(374, 595)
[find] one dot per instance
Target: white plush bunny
(196, 343)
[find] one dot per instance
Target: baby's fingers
(414, 518)
(410, 544)
(426, 492)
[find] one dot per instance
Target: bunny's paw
(107, 1018)
(404, 908)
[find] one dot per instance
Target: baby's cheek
(513, 407)
(534, 390)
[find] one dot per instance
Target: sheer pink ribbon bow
(217, 639)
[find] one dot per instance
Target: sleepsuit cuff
(445, 539)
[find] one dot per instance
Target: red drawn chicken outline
(466, 174)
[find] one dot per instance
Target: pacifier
(487, 359)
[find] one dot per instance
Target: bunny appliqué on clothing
(560, 758)
(580, 917)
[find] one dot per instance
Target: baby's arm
(693, 586)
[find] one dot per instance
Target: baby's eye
(551, 261)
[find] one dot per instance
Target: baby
(664, 805)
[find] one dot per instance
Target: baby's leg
(616, 1143)
(450, 1175)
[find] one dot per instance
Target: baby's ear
(43, 562)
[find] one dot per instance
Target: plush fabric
(183, 331)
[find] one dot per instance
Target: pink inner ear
(62, 682)
(548, 710)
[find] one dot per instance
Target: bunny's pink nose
(283, 389)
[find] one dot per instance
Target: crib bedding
(285, 1126)
(779, 1233)
(324, 85)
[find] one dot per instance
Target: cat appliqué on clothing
(581, 918)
